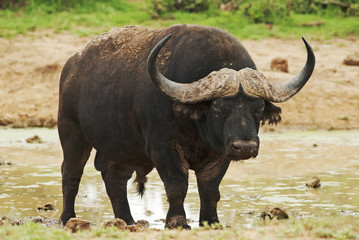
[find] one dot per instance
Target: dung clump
(47, 207)
(143, 223)
(352, 60)
(140, 225)
(314, 182)
(76, 224)
(34, 139)
(48, 222)
(116, 222)
(274, 212)
(279, 64)
(12, 222)
(5, 163)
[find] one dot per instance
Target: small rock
(274, 212)
(117, 222)
(76, 224)
(279, 64)
(314, 182)
(47, 207)
(34, 139)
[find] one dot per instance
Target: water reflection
(276, 177)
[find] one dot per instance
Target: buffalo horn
(254, 83)
(227, 82)
(224, 82)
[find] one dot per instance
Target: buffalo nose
(250, 146)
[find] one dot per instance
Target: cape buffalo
(178, 98)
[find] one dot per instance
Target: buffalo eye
(259, 113)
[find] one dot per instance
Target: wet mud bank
(30, 68)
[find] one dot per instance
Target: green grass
(333, 227)
(95, 17)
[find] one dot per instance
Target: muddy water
(275, 178)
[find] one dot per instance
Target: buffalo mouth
(242, 149)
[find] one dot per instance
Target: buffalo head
(237, 102)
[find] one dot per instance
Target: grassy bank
(339, 228)
(96, 17)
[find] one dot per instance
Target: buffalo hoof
(76, 224)
(177, 223)
(178, 226)
(212, 225)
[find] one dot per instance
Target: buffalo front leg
(208, 180)
(176, 185)
(76, 151)
(115, 178)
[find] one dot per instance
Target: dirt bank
(30, 67)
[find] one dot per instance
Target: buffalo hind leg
(76, 151)
(115, 178)
(208, 188)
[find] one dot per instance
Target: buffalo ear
(193, 111)
(271, 114)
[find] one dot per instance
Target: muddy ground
(30, 67)
(30, 181)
